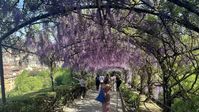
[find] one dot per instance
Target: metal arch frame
(87, 6)
(34, 19)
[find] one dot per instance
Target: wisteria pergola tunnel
(96, 35)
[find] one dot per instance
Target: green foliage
(135, 81)
(63, 77)
(31, 81)
(28, 82)
(44, 76)
(90, 81)
(192, 105)
(187, 105)
(131, 97)
(152, 18)
(42, 101)
(188, 83)
(129, 31)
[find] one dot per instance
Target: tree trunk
(133, 84)
(2, 76)
(125, 76)
(166, 95)
(71, 72)
(51, 76)
(141, 84)
(129, 78)
(149, 85)
(166, 90)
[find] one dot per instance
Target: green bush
(44, 76)
(191, 105)
(26, 83)
(130, 97)
(32, 92)
(63, 77)
(90, 81)
(30, 81)
(29, 102)
(42, 101)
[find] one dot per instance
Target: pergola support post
(2, 75)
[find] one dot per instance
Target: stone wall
(15, 64)
(10, 73)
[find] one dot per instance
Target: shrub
(30, 81)
(130, 97)
(192, 105)
(90, 81)
(63, 77)
(26, 83)
(42, 101)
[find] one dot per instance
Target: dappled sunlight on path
(89, 104)
(148, 106)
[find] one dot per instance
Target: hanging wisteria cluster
(86, 44)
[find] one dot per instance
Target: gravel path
(89, 104)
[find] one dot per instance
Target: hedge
(42, 101)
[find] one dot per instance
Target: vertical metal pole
(2, 75)
(117, 102)
(122, 101)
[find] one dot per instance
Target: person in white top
(113, 81)
(82, 83)
(101, 78)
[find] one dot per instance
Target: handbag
(101, 96)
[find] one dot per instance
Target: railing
(129, 104)
(122, 101)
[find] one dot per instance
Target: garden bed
(42, 101)
(131, 99)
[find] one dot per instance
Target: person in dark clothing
(118, 82)
(107, 79)
(97, 82)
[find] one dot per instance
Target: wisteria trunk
(141, 84)
(149, 85)
(166, 95)
(51, 77)
(166, 90)
(2, 76)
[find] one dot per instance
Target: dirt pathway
(89, 104)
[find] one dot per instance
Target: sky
(20, 4)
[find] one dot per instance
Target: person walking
(101, 78)
(113, 81)
(107, 88)
(118, 82)
(83, 88)
(107, 79)
(97, 82)
(82, 83)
